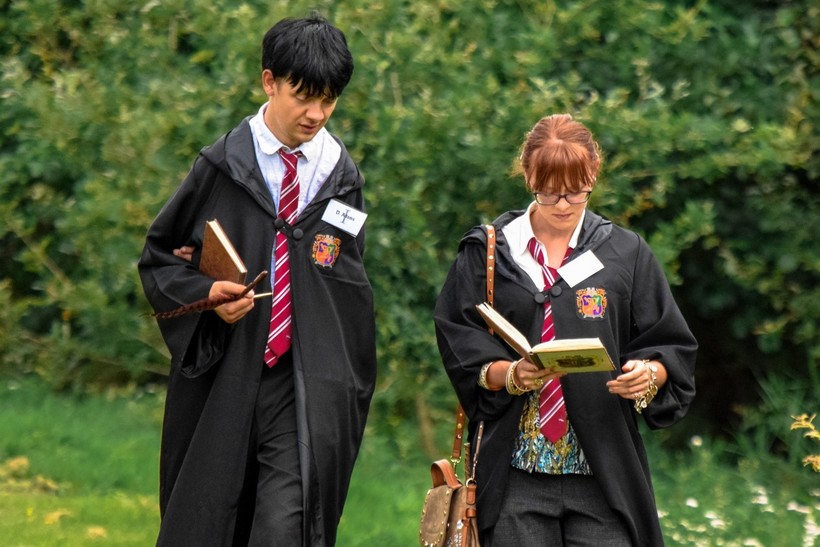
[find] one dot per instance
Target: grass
(78, 471)
(704, 501)
(82, 471)
(116, 519)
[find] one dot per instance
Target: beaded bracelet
(512, 387)
(482, 376)
(643, 401)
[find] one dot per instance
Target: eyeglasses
(573, 198)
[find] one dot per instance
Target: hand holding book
(221, 262)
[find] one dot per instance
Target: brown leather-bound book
(219, 260)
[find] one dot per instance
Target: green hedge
(707, 115)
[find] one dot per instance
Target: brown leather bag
(449, 516)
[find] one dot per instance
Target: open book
(219, 260)
(570, 355)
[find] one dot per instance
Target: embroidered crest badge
(326, 250)
(591, 303)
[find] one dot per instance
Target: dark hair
(309, 53)
(559, 153)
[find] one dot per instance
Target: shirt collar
(520, 231)
(270, 145)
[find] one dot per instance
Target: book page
(569, 344)
(226, 243)
(505, 329)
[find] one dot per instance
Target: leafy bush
(707, 115)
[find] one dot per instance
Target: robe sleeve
(464, 342)
(195, 340)
(661, 333)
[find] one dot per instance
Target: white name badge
(580, 268)
(344, 217)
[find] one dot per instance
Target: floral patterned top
(535, 453)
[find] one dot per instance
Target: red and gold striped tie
(280, 319)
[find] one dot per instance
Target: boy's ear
(268, 82)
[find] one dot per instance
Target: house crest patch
(591, 303)
(326, 250)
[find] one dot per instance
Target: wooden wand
(211, 303)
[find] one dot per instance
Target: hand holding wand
(211, 303)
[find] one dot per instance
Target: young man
(268, 397)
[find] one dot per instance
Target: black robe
(207, 471)
(641, 321)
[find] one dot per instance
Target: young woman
(561, 459)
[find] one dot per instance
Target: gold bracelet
(643, 401)
(512, 387)
(482, 376)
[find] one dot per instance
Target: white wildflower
(797, 508)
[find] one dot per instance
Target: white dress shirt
(319, 156)
(518, 234)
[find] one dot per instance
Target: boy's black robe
(216, 367)
(641, 321)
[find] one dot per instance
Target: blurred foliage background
(707, 112)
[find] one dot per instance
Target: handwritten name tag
(580, 268)
(343, 216)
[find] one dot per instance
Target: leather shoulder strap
(458, 434)
(490, 263)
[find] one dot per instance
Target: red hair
(559, 154)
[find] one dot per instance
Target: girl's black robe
(640, 321)
(206, 467)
